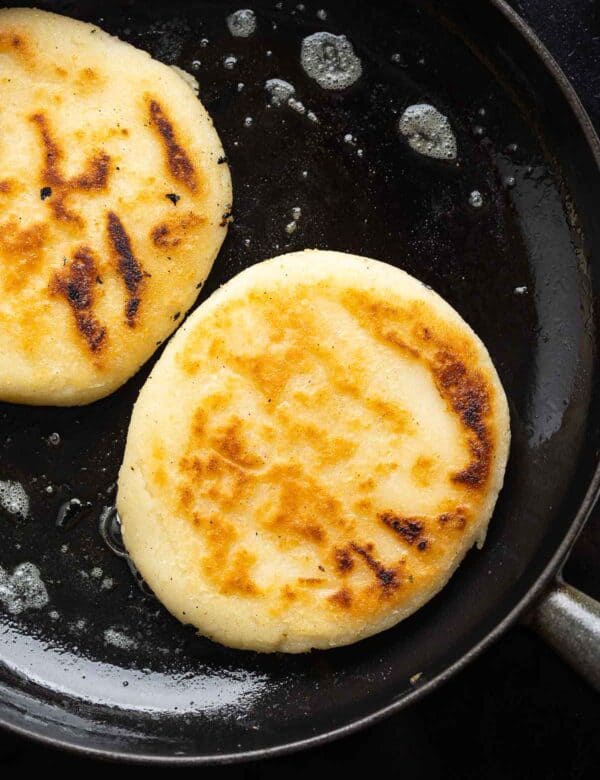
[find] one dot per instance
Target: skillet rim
(545, 578)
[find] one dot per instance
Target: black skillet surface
(164, 691)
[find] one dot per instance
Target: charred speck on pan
(128, 267)
(178, 161)
(76, 285)
(94, 177)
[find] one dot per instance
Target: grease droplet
(475, 199)
(330, 60)
(23, 589)
(13, 498)
(242, 23)
(279, 91)
(119, 639)
(71, 512)
(296, 105)
(428, 131)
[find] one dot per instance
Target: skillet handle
(570, 622)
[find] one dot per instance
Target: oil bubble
(118, 639)
(428, 131)
(14, 499)
(330, 60)
(475, 199)
(242, 23)
(71, 512)
(23, 589)
(279, 91)
(296, 105)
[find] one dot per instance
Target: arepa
(114, 201)
(313, 455)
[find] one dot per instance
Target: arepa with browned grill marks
(114, 201)
(313, 454)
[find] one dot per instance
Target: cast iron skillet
(103, 668)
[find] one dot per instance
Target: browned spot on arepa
(76, 284)
(178, 161)
(127, 264)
